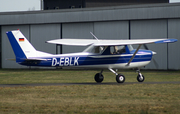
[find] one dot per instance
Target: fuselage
(93, 60)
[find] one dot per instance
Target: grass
(23, 76)
(88, 99)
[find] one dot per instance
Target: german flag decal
(21, 39)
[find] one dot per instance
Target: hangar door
(152, 29)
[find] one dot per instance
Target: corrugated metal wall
(174, 48)
(41, 33)
(147, 29)
(112, 30)
(76, 31)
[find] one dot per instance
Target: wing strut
(134, 54)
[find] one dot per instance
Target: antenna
(94, 36)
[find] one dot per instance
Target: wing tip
(166, 41)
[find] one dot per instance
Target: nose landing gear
(140, 77)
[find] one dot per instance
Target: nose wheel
(140, 77)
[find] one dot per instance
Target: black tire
(139, 78)
(120, 78)
(98, 77)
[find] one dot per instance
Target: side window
(95, 49)
(117, 49)
(98, 49)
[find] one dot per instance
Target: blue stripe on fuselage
(80, 60)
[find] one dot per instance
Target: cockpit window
(95, 49)
(117, 49)
(109, 49)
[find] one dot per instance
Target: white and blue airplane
(103, 54)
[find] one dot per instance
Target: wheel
(98, 77)
(140, 79)
(120, 78)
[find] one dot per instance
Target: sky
(173, 1)
(19, 5)
(28, 5)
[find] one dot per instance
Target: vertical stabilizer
(21, 46)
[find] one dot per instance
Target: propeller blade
(155, 63)
(145, 46)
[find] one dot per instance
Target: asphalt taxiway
(85, 83)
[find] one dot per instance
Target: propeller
(154, 61)
(145, 46)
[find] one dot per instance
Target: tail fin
(21, 46)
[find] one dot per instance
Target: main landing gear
(99, 77)
(120, 78)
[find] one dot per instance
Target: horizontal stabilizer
(36, 59)
(11, 59)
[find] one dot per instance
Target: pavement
(85, 83)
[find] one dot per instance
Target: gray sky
(27, 5)
(172, 1)
(19, 5)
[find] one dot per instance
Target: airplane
(103, 54)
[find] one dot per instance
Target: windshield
(130, 47)
(109, 49)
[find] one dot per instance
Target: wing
(75, 42)
(136, 41)
(85, 42)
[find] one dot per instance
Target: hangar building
(65, 4)
(115, 22)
